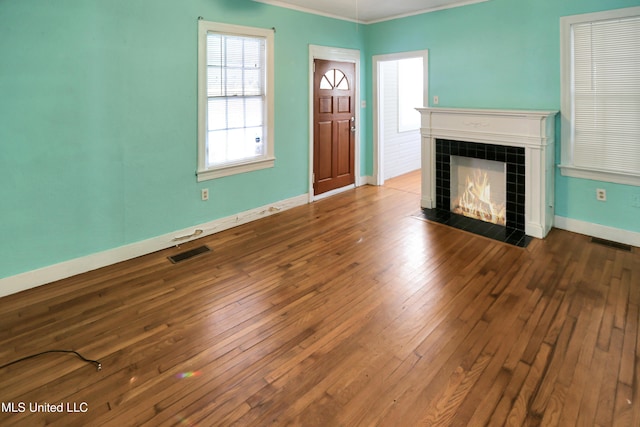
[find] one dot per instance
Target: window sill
(599, 175)
(236, 168)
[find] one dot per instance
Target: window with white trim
(600, 57)
(235, 99)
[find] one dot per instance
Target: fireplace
(520, 143)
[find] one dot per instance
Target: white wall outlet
(601, 194)
(204, 194)
(436, 100)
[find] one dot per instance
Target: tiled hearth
(521, 139)
(475, 226)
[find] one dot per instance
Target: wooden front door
(334, 125)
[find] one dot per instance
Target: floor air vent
(189, 254)
(611, 244)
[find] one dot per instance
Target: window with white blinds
(601, 96)
(235, 103)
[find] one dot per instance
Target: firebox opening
(478, 189)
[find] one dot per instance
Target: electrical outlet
(204, 194)
(436, 100)
(635, 201)
(601, 194)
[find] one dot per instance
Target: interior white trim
(309, 10)
(204, 170)
(367, 180)
(343, 55)
(334, 192)
(596, 230)
(427, 10)
(378, 130)
(35, 278)
(596, 175)
(232, 169)
(312, 11)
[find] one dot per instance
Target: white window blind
(607, 95)
(236, 97)
(603, 97)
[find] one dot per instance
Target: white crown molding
(423, 11)
(307, 10)
(63, 270)
(312, 11)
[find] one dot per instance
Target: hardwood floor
(409, 182)
(345, 312)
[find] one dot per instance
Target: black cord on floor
(95, 362)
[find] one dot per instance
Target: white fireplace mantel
(531, 129)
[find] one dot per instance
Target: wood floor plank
(621, 302)
(587, 411)
(519, 410)
(622, 416)
(555, 404)
(628, 361)
(505, 405)
(349, 311)
(443, 411)
(606, 402)
(549, 381)
(483, 406)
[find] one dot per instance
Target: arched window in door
(334, 79)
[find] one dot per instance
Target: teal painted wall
(98, 110)
(506, 54)
(98, 121)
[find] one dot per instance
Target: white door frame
(342, 55)
(378, 126)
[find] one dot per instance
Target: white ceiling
(368, 11)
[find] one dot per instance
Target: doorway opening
(400, 86)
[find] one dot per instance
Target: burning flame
(475, 202)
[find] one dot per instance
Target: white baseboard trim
(333, 192)
(368, 180)
(596, 230)
(31, 279)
